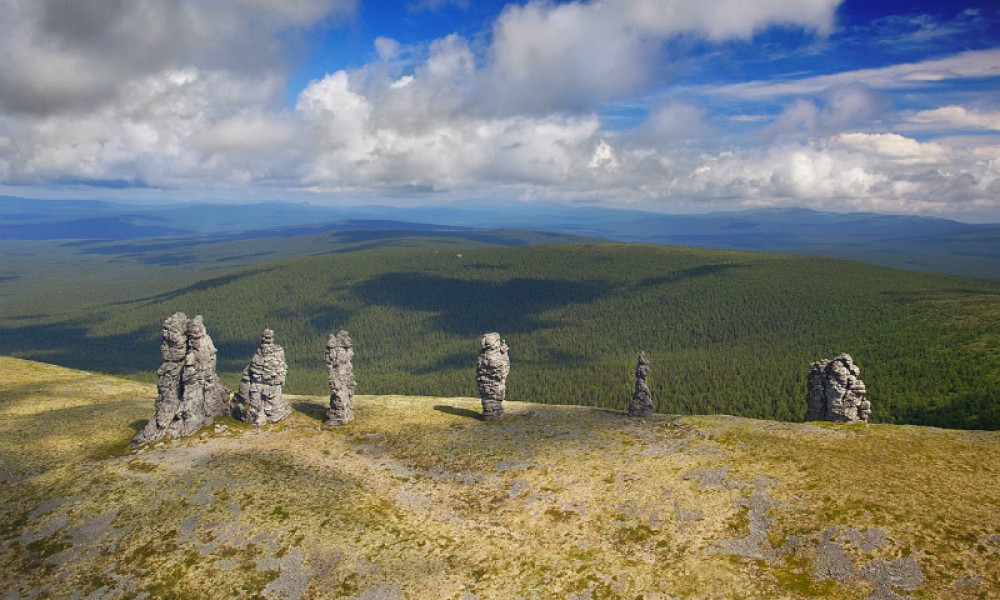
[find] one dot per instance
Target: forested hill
(725, 332)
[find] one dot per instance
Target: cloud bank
(191, 95)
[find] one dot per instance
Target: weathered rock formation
(835, 392)
(341, 373)
(189, 395)
(642, 398)
(491, 375)
(259, 398)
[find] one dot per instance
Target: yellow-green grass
(418, 498)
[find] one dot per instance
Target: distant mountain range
(908, 242)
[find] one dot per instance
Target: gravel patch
(713, 479)
(292, 580)
(48, 529)
(904, 573)
(756, 544)
(832, 562)
(50, 504)
(684, 515)
(382, 591)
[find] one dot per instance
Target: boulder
(835, 391)
(259, 399)
(642, 399)
(339, 353)
(491, 375)
(189, 395)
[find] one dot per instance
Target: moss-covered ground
(418, 498)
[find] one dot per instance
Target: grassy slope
(419, 499)
(728, 332)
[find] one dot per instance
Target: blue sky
(666, 105)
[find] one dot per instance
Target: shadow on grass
(312, 410)
(458, 412)
(137, 425)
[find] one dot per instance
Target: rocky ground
(418, 498)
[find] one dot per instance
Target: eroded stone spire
(491, 375)
(339, 352)
(259, 399)
(836, 392)
(189, 395)
(642, 399)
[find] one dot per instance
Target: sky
(668, 105)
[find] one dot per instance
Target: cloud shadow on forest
(467, 308)
(691, 273)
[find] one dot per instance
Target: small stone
(340, 371)
(491, 375)
(259, 399)
(642, 398)
(219, 428)
(836, 392)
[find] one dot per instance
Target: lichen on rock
(836, 392)
(189, 395)
(259, 399)
(642, 399)
(492, 369)
(339, 352)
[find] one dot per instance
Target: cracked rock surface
(189, 395)
(259, 399)
(836, 392)
(340, 371)
(642, 399)
(491, 375)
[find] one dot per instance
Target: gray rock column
(492, 369)
(339, 353)
(642, 399)
(259, 399)
(835, 391)
(189, 395)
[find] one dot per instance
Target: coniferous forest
(725, 332)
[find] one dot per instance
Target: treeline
(725, 332)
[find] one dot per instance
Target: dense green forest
(725, 332)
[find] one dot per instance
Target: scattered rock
(713, 478)
(833, 562)
(189, 395)
(491, 375)
(339, 352)
(756, 544)
(292, 580)
(968, 582)
(382, 591)
(259, 399)
(904, 573)
(835, 391)
(642, 398)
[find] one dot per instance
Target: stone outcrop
(189, 395)
(259, 399)
(836, 392)
(642, 399)
(491, 375)
(339, 352)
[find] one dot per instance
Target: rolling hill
(899, 241)
(726, 332)
(417, 498)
